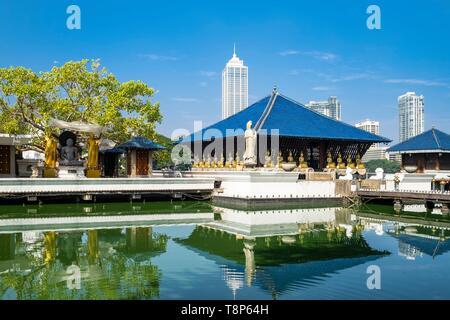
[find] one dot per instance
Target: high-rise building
(331, 107)
(234, 86)
(376, 151)
(411, 115)
(370, 126)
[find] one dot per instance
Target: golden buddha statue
(220, 164)
(330, 163)
(359, 164)
(229, 163)
(290, 156)
(50, 157)
(214, 163)
(239, 163)
(340, 163)
(208, 162)
(201, 164)
(236, 160)
(279, 159)
(302, 164)
(268, 160)
(350, 164)
(92, 166)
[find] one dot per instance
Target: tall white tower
(411, 115)
(234, 86)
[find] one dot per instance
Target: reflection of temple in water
(414, 238)
(408, 251)
(282, 249)
(39, 260)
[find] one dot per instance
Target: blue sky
(309, 49)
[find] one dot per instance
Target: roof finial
(275, 89)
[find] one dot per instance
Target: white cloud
(289, 53)
(355, 76)
(322, 88)
(155, 57)
(208, 73)
(320, 55)
(423, 82)
(326, 56)
(185, 99)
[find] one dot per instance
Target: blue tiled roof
(430, 140)
(140, 143)
(291, 119)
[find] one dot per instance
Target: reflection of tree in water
(107, 271)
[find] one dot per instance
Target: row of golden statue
(236, 163)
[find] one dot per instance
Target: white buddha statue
(69, 154)
(250, 146)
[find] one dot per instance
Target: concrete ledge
(278, 203)
(12, 225)
(102, 185)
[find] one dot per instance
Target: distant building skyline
(410, 115)
(234, 86)
(371, 126)
(330, 108)
(376, 151)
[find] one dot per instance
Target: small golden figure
(330, 163)
(340, 163)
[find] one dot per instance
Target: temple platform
(272, 188)
(37, 189)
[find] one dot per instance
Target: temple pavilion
(304, 135)
(428, 152)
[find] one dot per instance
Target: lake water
(193, 250)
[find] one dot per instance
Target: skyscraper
(331, 107)
(411, 115)
(234, 86)
(376, 151)
(370, 126)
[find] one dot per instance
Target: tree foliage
(75, 91)
(388, 166)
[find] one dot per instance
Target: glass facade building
(234, 87)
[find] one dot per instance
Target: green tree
(76, 91)
(387, 165)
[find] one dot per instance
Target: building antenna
(234, 49)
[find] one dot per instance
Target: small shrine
(63, 154)
(139, 154)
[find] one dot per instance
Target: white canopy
(77, 126)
